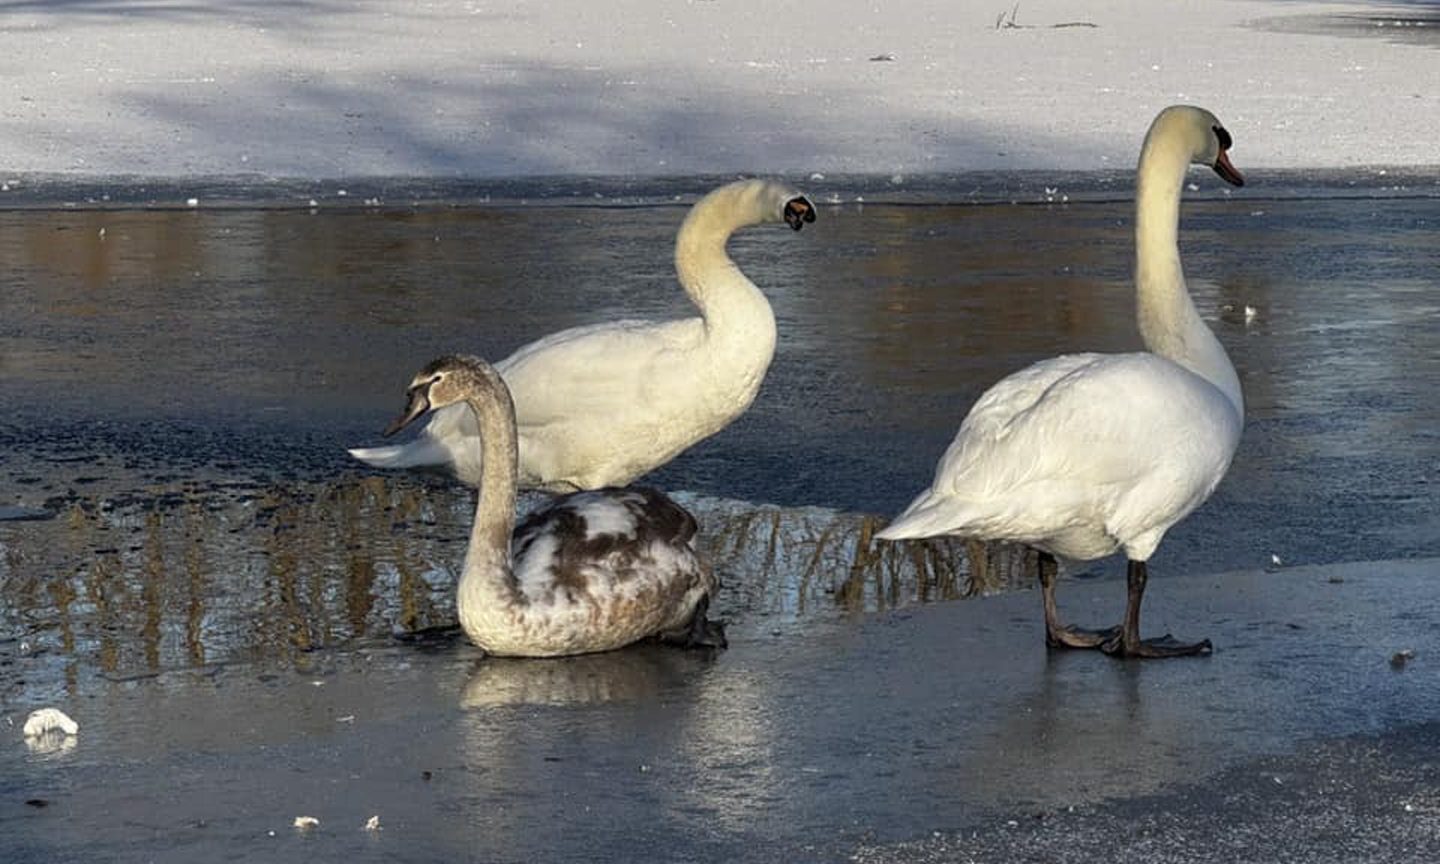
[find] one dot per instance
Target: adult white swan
(589, 572)
(601, 405)
(1085, 454)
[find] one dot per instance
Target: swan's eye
(1223, 136)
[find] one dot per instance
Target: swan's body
(1086, 454)
(601, 405)
(1081, 455)
(589, 572)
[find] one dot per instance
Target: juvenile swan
(1085, 454)
(589, 572)
(601, 405)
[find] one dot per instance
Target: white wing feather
(1081, 454)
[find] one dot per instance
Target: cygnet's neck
(1168, 320)
(735, 312)
(487, 583)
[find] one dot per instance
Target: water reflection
(200, 572)
(635, 675)
(796, 561)
(52, 743)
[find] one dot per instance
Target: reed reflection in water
(200, 572)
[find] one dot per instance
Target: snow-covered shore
(483, 89)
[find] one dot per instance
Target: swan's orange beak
(1227, 171)
(798, 211)
(419, 403)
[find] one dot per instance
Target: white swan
(1085, 454)
(601, 405)
(589, 572)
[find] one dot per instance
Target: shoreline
(48, 191)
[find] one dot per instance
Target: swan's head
(751, 202)
(798, 211)
(442, 382)
(1203, 133)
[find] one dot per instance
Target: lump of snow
(47, 720)
(305, 823)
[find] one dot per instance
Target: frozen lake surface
(179, 385)
(197, 374)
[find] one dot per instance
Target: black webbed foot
(1065, 636)
(701, 632)
(1154, 649)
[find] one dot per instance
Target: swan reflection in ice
(638, 673)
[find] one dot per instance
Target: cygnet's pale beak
(798, 211)
(419, 404)
(1227, 171)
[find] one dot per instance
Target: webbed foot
(1158, 648)
(701, 632)
(1066, 636)
(1127, 643)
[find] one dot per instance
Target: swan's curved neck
(487, 581)
(1169, 322)
(732, 307)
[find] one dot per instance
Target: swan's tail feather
(928, 516)
(423, 452)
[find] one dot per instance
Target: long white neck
(735, 312)
(1169, 322)
(487, 584)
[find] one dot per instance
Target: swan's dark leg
(1128, 642)
(1059, 635)
(700, 632)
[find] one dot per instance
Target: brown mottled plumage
(657, 520)
(588, 572)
